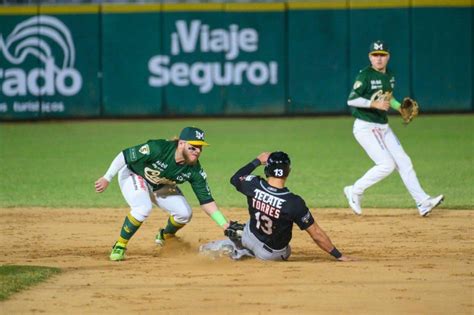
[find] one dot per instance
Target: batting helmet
(278, 165)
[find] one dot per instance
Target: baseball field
(403, 264)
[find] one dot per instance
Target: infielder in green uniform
(373, 133)
(149, 173)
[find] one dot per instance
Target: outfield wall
(163, 60)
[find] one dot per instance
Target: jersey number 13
(264, 223)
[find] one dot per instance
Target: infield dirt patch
(406, 264)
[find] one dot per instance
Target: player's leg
(260, 250)
(171, 199)
(370, 137)
(136, 193)
(407, 173)
(225, 247)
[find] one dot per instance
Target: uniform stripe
(176, 224)
(133, 220)
(122, 242)
(272, 192)
(378, 135)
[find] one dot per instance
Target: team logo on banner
(44, 41)
(195, 36)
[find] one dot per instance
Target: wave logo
(40, 39)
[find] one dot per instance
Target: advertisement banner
(443, 67)
(189, 67)
(262, 88)
(210, 59)
(318, 59)
(214, 63)
(49, 63)
(130, 37)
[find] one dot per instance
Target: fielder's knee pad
(141, 213)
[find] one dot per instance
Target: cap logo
(199, 135)
(378, 46)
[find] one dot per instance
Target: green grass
(16, 278)
(55, 164)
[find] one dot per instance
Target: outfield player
(373, 133)
(273, 209)
(149, 173)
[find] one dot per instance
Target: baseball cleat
(429, 204)
(118, 253)
(353, 199)
(162, 236)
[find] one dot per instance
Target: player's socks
(171, 228)
(129, 227)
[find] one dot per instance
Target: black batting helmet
(278, 165)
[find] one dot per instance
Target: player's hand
(263, 157)
(101, 184)
(380, 104)
(226, 225)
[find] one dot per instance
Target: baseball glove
(234, 231)
(409, 110)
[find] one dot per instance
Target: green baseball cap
(379, 47)
(193, 136)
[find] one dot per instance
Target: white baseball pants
(383, 147)
(140, 198)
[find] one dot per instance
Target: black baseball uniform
(272, 212)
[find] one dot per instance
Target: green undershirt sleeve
(394, 104)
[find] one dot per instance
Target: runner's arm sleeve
(115, 166)
(236, 179)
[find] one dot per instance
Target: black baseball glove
(234, 232)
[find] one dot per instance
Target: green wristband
(394, 104)
(219, 218)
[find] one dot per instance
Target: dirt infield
(407, 265)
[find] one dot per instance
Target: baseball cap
(193, 136)
(379, 47)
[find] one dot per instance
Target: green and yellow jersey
(155, 162)
(368, 82)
